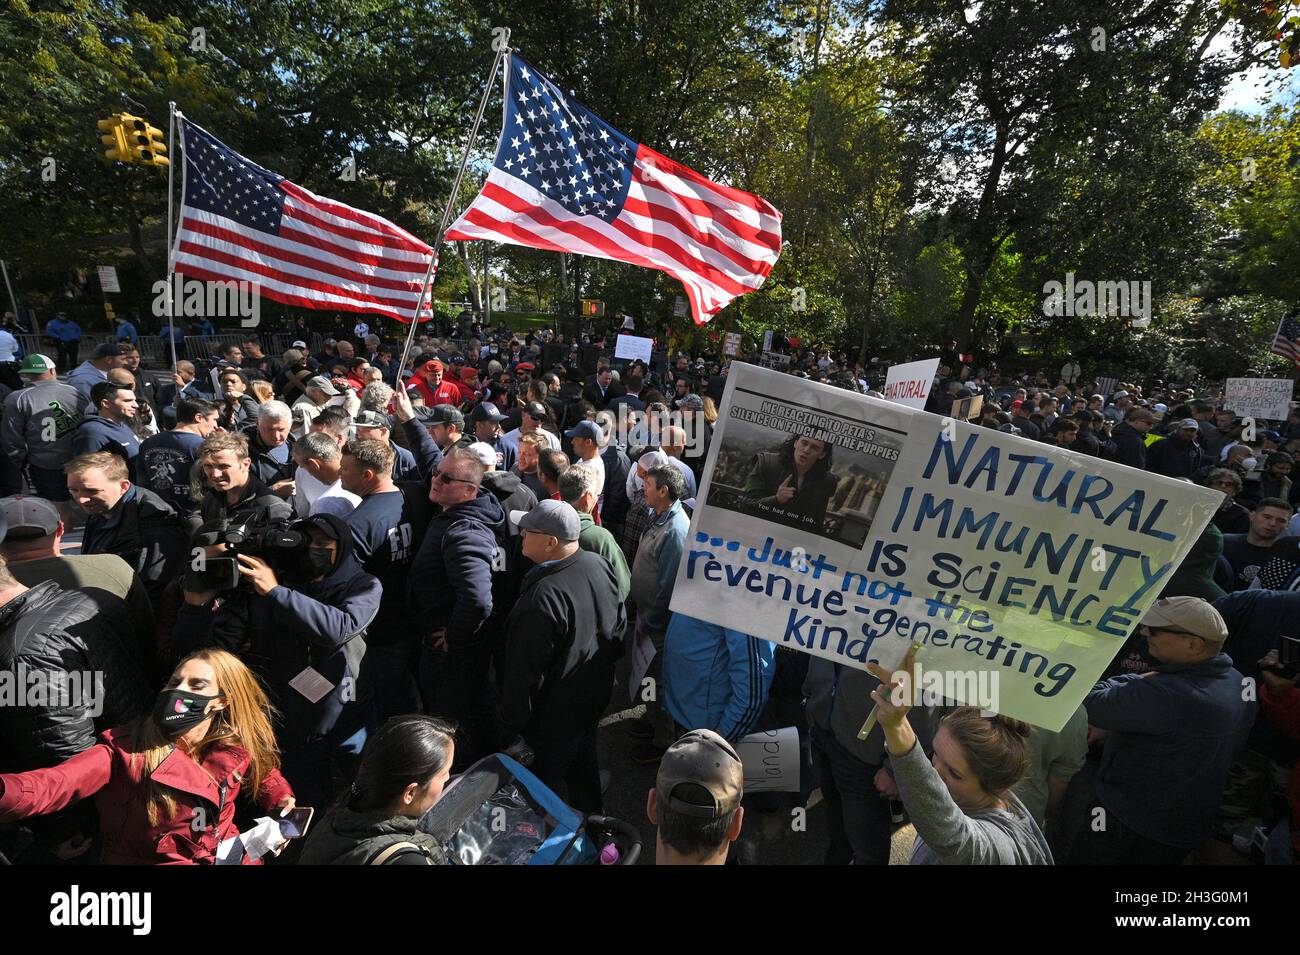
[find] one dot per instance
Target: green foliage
(933, 173)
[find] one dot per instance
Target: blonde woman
(165, 785)
(262, 391)
(710, 412)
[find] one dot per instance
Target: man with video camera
(294, 603)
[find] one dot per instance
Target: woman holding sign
(961, 805)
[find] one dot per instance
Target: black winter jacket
(51, 632)
(257, 503)
(614, 503)
(321, 624)
(508, 573)
(348, 837)
(451, 578)
(1130, 446)
(563, 639)
(147, 533)
(268, 470)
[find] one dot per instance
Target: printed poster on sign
(802, 461)
(1019, 567)
(909, 384)
(108, 278)
(1259, 397)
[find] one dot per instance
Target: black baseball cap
(445, 414)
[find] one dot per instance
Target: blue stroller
(499, 813)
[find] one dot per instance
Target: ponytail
(996, 747)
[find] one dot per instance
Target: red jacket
(116, 780)
(1283, 711)
(448, 392)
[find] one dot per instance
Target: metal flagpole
(171, 167)
(12, 301)
(432, 270)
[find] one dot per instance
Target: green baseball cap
(35, 365)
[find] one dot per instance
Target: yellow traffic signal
(146, 141)
(132, 140)
(118, 150)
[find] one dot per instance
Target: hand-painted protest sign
(108, 278)
(770, 760)
(732, 344)
(1259, 397)
(909, 384)
(772, 359)
(633, 347)
(848, 527)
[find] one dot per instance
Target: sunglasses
(446, 478)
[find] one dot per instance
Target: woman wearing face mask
(404, 769)
(961, 803)
(165, 785)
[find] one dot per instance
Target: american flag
(1287, 340)
(566, 180)
(241, 222)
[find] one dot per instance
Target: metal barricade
(204, 347)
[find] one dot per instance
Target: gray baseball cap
(700, 775)
(554, 518)
(371, 419)
(324, 384)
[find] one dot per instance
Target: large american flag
(1287, 340)
(566, 180)
(241, 222)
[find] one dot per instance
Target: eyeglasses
(446, 478)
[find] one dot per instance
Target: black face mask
(180, 710)
(320, 561)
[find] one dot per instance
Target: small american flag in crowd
(566, 180)
(240, 222)
(1287, 340)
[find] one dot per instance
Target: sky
(1255, 90)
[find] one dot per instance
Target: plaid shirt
(634, 525)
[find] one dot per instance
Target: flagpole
(432, 270)
(171, 167)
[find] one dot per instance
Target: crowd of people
(322, 580)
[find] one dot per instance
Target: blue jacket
(319, 624)
(1256, 621)
(654, 572)
(1172, 738)
(63, 330)
(451, 577)
(85, 377)
(714, 677)
(99, 434)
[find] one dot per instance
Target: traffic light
(132, 140)
(147, 142)
(118, 150)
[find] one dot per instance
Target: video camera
(283, 549)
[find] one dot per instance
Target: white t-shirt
(312, 496)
